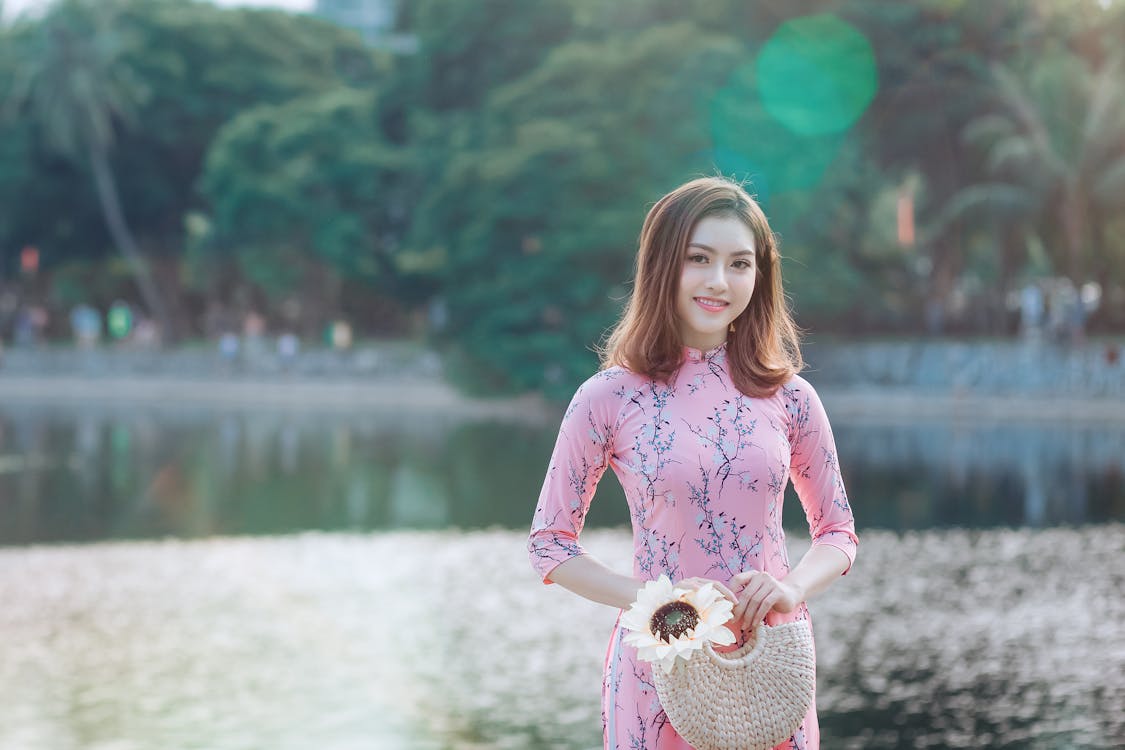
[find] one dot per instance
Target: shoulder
(797, 388)
(606, 387)
(598, 403)
(603, 390)
(801, 403)
(792, 393)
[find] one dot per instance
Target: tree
(467, 49)
(1055, 148)
(192, 66)
(72, 85)
(202, 65)
(307, 185)
(537, 210)
(938, 61)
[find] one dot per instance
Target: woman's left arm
(820, 566)
(759, 592)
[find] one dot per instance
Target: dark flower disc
(673, 620)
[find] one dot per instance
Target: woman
(701, 414)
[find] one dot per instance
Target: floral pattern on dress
(704, 470)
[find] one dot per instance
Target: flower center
(673, 620)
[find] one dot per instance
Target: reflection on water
(143, 473)
(425, 640)
(94, 475)
(934, 473)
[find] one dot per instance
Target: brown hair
(763, 350)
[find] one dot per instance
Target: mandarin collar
(691, 354)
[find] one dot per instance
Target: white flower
(667, 623)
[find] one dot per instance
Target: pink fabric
(704, 469)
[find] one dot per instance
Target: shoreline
(418, 396)
(855, 405)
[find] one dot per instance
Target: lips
(710, 304)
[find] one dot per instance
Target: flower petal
(641, 639)
(668, 663)
(721, 635)
(637, 618)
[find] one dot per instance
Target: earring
(731, 329)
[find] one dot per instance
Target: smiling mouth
(709, 304)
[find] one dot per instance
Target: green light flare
(748, 140)
(817, 75)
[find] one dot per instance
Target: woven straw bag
(752, 698)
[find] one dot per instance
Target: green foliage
(840, 255)
(98, 283)
(539, 216)
(466, 49)
(310, 178)
(181, 70)
(507, 165)
(39, 204)
(1054, 149)
(70, 79)
(816, 75)
(203, 65)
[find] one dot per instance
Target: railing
(1094, 368)
(253, 359)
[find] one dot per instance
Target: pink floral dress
(704, 469)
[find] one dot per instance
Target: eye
(743, 264)
(697, 258)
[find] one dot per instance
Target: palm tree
(73, 86)
(1056, 152)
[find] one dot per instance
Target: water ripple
(420, 640)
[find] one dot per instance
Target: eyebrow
(711, 249)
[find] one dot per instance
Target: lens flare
(817, 75)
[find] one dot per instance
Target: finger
(764, 598)
(697, 583)
(752, 619)
(738, 614)
(762, 585)
(764, 608)
(746, 604)
(726, 592)
(767, 605)
(751, 597)
(720, 587)
(740, 580)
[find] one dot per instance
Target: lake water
(92, 475)
(190, 579)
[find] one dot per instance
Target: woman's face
(719, 271)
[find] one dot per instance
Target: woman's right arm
(580, 458)
(588, 577)
(578, 461)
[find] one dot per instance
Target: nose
(718, 279)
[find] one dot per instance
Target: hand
(759, 594)
(696, 582)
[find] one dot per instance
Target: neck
(704, 344)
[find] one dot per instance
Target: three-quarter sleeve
(815, 470)
(579, 460)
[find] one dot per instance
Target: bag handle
(752, 650)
